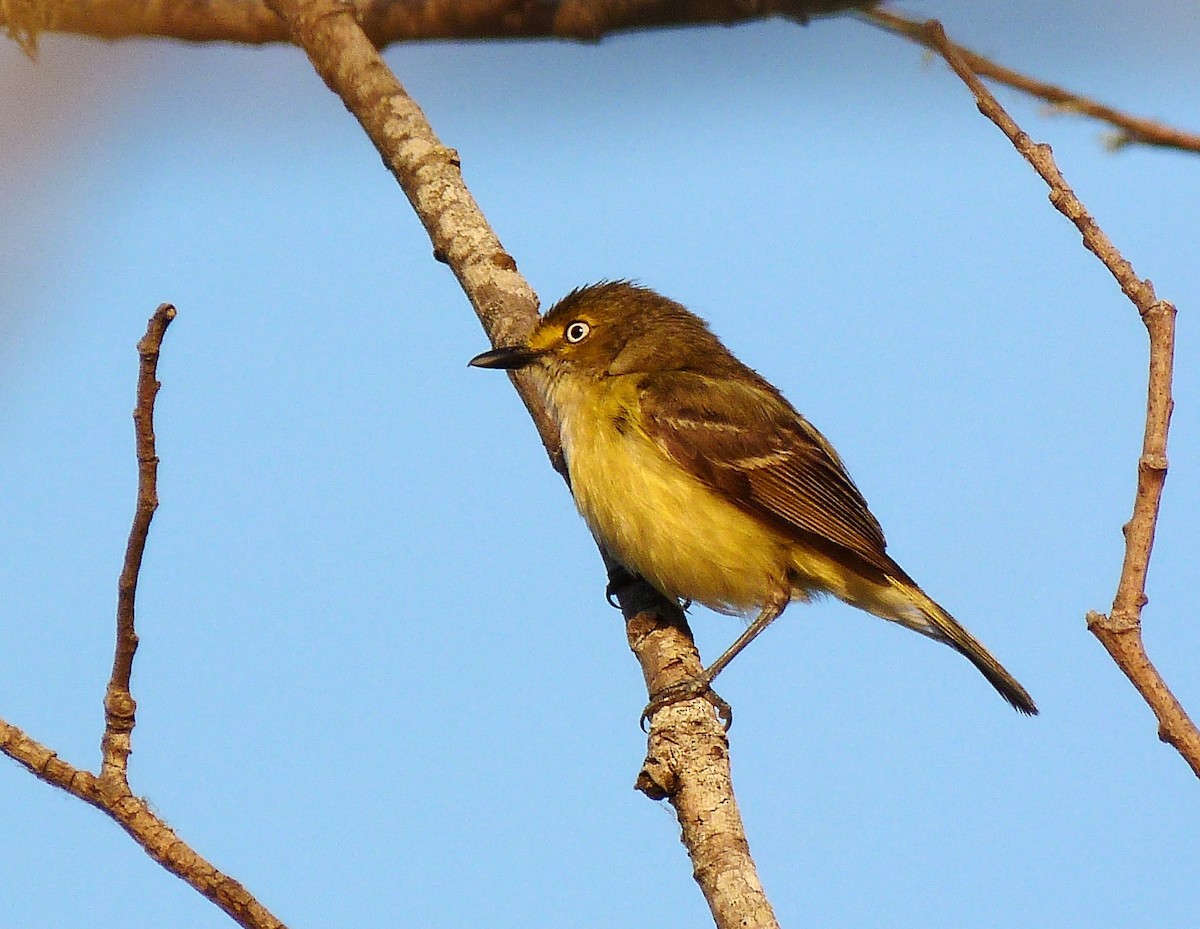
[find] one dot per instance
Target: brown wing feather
(746, 441)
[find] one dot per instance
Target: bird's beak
(510, 357)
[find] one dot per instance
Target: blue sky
(378, 680)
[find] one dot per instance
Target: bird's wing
(745, 441)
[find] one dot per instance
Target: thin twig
(429, 174)
(1132, 130)
(119, 706)
(1120, 632)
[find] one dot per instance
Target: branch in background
(388, 21)
(119, 705)
(429, 174)
(109, 791)
(1131, 130)
(1120, 632)
(385, 22)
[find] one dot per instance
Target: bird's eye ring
(576, 332)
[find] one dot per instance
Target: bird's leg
(619, 577)
(701, 684)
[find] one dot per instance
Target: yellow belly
(658, 520)
(687, 540)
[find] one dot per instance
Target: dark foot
(618, 580)
(688, 690)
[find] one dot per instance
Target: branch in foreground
(1120, 633)
(429, 174)
(1131, 130)
(688, 737)
(388, 21)
(109, 791)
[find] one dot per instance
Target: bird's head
(610, 329)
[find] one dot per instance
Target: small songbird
(696, 474)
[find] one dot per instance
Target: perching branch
(1131, 130)
(388, 21)
(688, 753)
(1119, 632)
(687, 758)
(109, 791)
(428, 172)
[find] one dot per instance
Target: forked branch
(109, 791)
(1131, 129)
(1120, 631)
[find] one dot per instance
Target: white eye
(577, 331)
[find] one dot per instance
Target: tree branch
(1132, 130)
(109, 792)
(46, 766)
(119, 706)
(388, 21)
(687, 768)
(1120, 633)
(687, 759)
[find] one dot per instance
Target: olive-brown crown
(615, 327)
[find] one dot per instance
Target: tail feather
(938, 624)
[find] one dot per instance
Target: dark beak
(510, 357)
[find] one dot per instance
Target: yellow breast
(651, 514)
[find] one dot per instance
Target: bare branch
(119, 706)
(429, 174)
(161, 843)
(388, 21)
(687, 759)
(1132, 130)
(109, 792)
(1120, 633)
(46, 766)
(135, 817)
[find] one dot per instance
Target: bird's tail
(925, 616)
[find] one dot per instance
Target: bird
(696, 474)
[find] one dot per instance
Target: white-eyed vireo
(696, 474)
